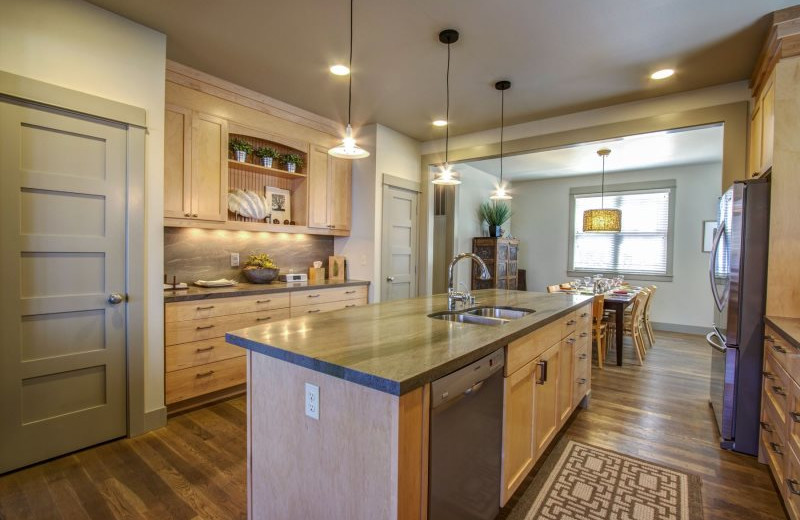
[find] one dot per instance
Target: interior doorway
(400, 239)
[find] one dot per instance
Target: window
(643, 249)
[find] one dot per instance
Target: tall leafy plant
(494, 213)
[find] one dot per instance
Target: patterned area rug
(583, 482)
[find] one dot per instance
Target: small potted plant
(240, 148)
(267, 155)
(495, 214)
(292, 162)
(260, 268)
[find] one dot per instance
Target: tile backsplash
(205, 254)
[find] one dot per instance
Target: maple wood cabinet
(195, 165)
(762, 130)
(500, 256)
(329, 189)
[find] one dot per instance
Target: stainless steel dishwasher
(465, 441)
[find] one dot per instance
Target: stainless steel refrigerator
(738, 277)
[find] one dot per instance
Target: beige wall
(75, 45)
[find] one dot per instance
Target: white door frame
(45, 95)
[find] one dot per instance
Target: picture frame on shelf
(279, 203)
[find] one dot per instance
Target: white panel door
(62, 256)
(399, 248)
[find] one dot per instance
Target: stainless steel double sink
(483, 315)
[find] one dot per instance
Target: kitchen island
(366, 455)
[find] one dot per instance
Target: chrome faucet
(454, 296)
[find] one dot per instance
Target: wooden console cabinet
(500, 256)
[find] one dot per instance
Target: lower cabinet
(547, 376)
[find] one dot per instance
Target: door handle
(714, 344)
(390, 278)
(115, 298)
(543, 365)
(712, 268)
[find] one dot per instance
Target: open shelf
(256, 168)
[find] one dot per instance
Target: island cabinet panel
(518, 445)
(565, 379)
(524, 350)
(545, 398)
(364, 459)
(581, 369)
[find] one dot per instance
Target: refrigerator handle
(716, 346)
(712, 265)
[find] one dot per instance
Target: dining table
(617, 301)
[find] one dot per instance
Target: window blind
(642, 246)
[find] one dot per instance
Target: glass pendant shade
(446, 177)
(348, 149)
(602, 220)
(500, 194)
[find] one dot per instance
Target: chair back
(652, 290)
(638, 305)
(553, 288)
(597, 308)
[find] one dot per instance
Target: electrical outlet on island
(312, 401)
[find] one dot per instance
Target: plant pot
(260, 275)
(266, 161)
(240, 155)
(495, 231)
(291, 167)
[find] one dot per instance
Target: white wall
(390, 152)
(541, 212)
(76, 45)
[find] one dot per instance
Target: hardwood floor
(195, 467)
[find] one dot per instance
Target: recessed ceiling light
(340, 70)
(440, 122)
(662, 74)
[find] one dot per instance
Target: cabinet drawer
(581, 372)
(775, 346)
(196, 330)
(192, 382)
(326, 295)
(793, 417)
(200, 309)
(305, 310)
(583, 317)
(790, 487)
(522, 351)
(186, 355)
(773, 446)
(776, 388)
(568, 324)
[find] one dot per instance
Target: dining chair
(599, 329)
(553, 288)
(646, 318)
(632, 327)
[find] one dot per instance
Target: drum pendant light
(446, 174)
(602, 220)
(349, 149)
(500, 193)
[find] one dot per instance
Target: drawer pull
(571, 341)
(584, 334)
(204, 327)
(313, 296)
(351, 305)
(263, 301)
(583, 356)
(779, 390)
(571, 322)
(776, 448)
(313, 311)
(204, 374)
(766, 427)
(795, 416)
(205, 308)
(349, 292)
(206, 349)
(582, 381)
(265, 318)
(585, 314)
(769, 337)
(543, 380)
(792, 483)
(778, 348)
(768, 375)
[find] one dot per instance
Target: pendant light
(602, 220)
(500, 192)
(349, 149)
(446, 174)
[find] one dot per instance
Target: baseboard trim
(676, 327)
(155, 419)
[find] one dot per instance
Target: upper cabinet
(329, 189)
(195, 169)
(762, 130)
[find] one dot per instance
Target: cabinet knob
(187, 214)
(194, 215)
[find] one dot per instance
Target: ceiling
(561, 56)
(636, 152)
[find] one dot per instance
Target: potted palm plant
(292, 162)
(240, 148)
(267, 155)
(495, 214)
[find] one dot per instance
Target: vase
(495, 231)
(265, 275)
(266, 161)
(291, 167)
(240, 155)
